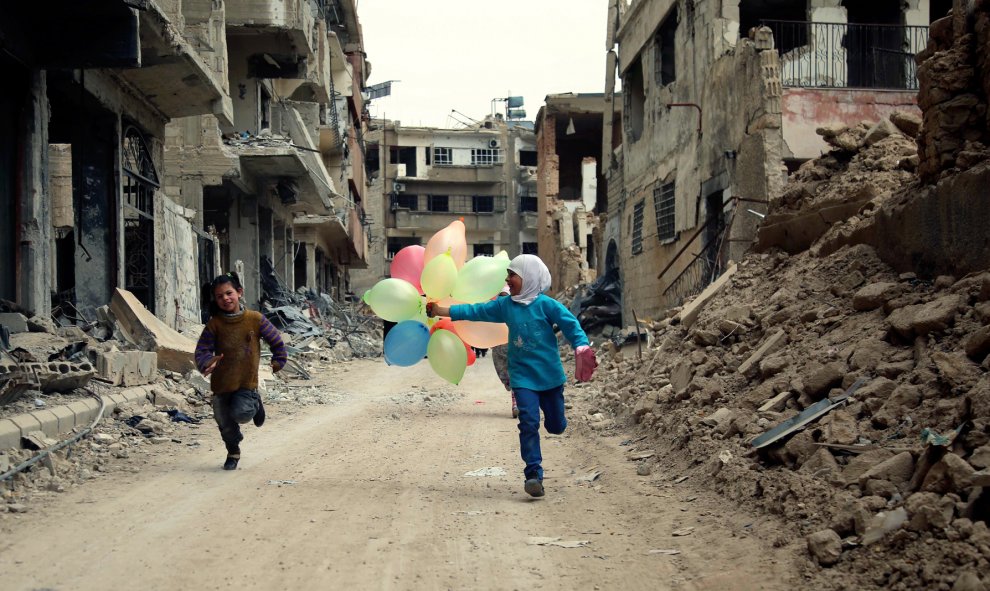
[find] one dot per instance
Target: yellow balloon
(483, 335)
(451, 239)
(447, 355)
(439, 276)
(502, 255)
(394, 299)
(480, 279)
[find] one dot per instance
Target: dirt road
(371, 492)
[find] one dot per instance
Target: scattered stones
(825, 547)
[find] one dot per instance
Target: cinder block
(48, 420)
(66, 418)
(26, 423)
(127, 368)
(10, 435)
(138, 394)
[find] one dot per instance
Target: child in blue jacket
(535, 372)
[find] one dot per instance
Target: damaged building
(571, 188)
(720, 100)
(428, 177)
(186, 138)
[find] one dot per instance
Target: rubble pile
(846, 397)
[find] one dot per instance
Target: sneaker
(259, 417)
(534, 487)
(515, 411)
(230, 464)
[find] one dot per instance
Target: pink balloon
(408, 264)
(451, 238)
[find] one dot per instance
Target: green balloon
(480, 279)
(447, 355)
(394, 299)
(439, 276)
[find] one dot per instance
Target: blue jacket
(534, 360)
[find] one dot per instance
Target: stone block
(63, 376)
(26, 423)
(48, 420)
(141, 327)
(15, 323)
(66, 418)
(10, 435)
(85, 410)
(127, 368)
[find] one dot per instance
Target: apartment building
(719, 101)
(484, 174)
(149, 144)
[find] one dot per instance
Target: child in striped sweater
(228, 352)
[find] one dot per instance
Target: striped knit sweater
(237, 339)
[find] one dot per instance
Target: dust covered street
(370, 490)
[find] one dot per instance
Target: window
(483, 203)
(634, 100)
(637, 231)
(527, 158)
(487, 250)
(397, 243)
(438, 203)
(487, 156)
(405, 201)
(529, 248)
(663, 203)
(527, 203)
(664, 50)
(443, 156)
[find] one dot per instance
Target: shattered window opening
(663, 203)
(487, 250)
(665, 48)
(438, 203)
(397, 243)
(140, 181)
(530, 248)
(634, 100)
(637, 231)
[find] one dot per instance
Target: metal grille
(637, 231)
(140, 180)
(848, 55)
(466, 203)
(663, 204)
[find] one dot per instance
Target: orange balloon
(483, 335)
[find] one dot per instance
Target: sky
(460, 54)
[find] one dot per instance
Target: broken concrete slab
(144, 330)
(15, 323)
(772, 343)
(897, 470)
(921, 319)
(127, 368)
(692, 309)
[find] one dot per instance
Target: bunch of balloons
(438, 272)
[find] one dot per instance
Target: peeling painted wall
(176, 268)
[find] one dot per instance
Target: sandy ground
(370, 492)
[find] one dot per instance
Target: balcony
(527, 220)
(848, 55)
(289, 24)
(434, 212)
(465, 174)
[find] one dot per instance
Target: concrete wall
(177, 295)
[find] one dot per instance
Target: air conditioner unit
(493, 143)
(398, 187)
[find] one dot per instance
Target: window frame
(637, 226)
(665, 209)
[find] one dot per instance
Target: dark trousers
(530, 403)
(231, 410)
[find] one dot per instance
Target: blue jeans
(530, 402)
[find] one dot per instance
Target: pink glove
(585, 363)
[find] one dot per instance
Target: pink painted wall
(805, 109)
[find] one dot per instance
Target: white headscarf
(535, 277)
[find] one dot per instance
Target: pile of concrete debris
(831, 390)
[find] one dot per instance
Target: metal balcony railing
(848, 55)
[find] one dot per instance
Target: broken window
(664, 50)
(264, 108)
(487, 156)
(438, 203)
(527, 203)
(663, 204)
(637, 227)
(443, 156)
(486, 250)
(753, 13)
(372, 164)
(527, 158)
(634, 99)
(404, 158)
(405, 201)
(530, 248)
(140, 180)
(397, 243)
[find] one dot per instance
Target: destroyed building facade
(188, 138)
(719, 101)
(428, 177)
